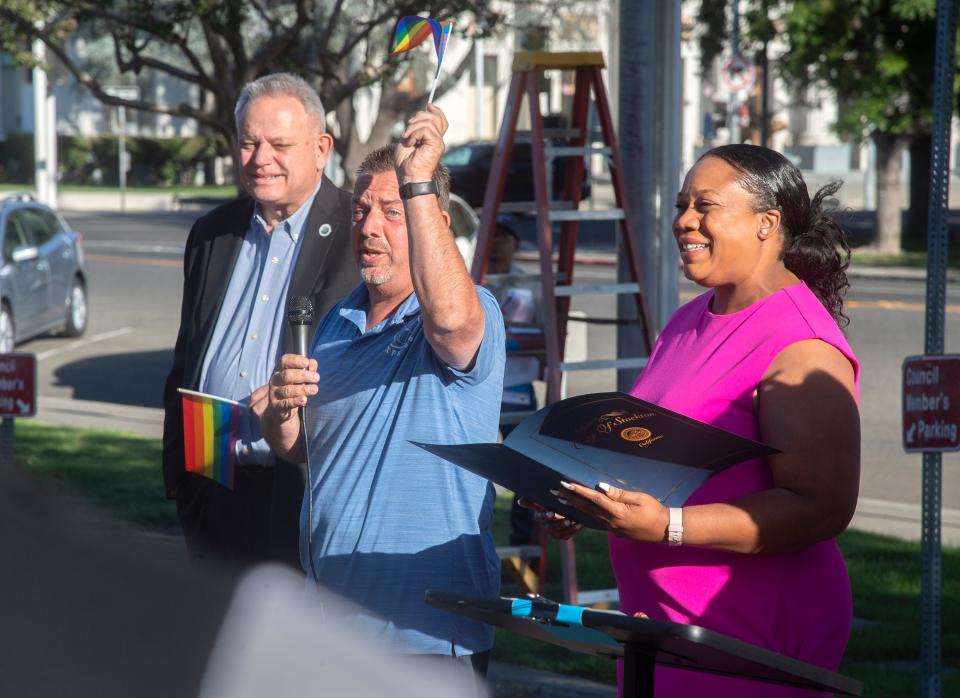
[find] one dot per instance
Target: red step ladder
(557, 283)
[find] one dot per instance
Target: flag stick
(212, 397)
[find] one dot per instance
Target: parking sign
(931, 403)
(18, 385)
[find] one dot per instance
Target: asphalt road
(112, 377)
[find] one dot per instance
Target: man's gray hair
(382, 160)
(282, 84)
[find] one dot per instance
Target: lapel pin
(325, 230)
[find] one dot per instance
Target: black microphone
(300, 317)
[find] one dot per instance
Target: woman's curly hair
(815, 247)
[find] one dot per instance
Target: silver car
(43, 282)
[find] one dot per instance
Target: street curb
(860, 271)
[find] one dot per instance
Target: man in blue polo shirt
(415, 353)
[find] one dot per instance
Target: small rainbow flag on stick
(413, 31)
(210, 426)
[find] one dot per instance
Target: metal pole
(649, 102)
(122, 155)
(763, 65)
(51, 150)
(668, 291)
(7, 439)
(478, 87)
(930, 568)
(638, 154)
(733, 116)
(39, 122)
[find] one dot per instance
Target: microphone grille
(300, 310)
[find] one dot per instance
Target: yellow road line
(882, 304)
(896, 305)
(118, 259)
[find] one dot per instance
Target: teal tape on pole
(571, 615)
(521, 608)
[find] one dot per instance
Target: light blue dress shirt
(248, 337)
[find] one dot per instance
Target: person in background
(287, 236)
(520, 305)
(413, 354)
(753, 552)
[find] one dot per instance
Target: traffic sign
(18, 385)
(738, 73)
(931, 403)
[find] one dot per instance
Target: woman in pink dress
(753, 552)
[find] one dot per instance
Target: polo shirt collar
(354, 310)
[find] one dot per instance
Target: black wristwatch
(412, 189)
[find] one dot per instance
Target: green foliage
(16, 158)
(94, 160)
(876, 56)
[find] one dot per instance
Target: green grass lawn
(225, 191)
(121, 474)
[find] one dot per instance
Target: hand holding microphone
(295, 377)
(293, 381)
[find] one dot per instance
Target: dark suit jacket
(324, 271)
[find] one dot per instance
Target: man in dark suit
(288, 236)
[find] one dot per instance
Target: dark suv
(470, 163)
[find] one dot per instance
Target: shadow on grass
(116, 472)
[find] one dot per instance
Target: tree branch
(98, 91)
(281, 43)
(201, 77)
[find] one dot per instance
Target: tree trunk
(890, 148)
(389, 113)
(395, 105)
(919, 186)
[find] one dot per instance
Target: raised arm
(453, 319)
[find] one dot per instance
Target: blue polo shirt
(389, 520)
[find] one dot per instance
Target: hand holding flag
(210, 425)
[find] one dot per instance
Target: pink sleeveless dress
(707, 367)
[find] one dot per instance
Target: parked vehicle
(43, 280)
(469, 166)
(463, 223)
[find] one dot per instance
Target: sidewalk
(856, 271)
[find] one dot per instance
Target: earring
(764, 232)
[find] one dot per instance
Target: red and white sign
(18, 385)
(738, 73)
(931, 403)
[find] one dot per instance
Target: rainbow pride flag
(210, 426)
(413, 31)
(441, 36)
